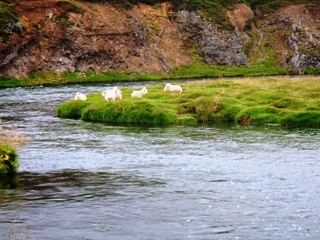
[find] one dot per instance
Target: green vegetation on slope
(63, 18)
(213, 10)
(285, 102)
(9, 21)
(267, 6)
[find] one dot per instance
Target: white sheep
(140, 93)
(118, 94)
(110, 95)
(104, 92)
(80, 96)
(113, 94)
(172, 88)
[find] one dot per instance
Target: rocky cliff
(67, 36)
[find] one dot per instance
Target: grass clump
(8, 161)
(72, 110)
(302, 119)
(312, 71)
(277, 101)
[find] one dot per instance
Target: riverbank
(277, 101)
(194, 71)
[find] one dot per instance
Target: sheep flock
(116, 94)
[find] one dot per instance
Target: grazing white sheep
(104, 92)
(118, 94)
(80, 96)
(172, 88)
(111, 95)
(140, 93)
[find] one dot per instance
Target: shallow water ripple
(81, 180)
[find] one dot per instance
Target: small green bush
(8, 161)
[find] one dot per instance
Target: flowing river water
(83, 180)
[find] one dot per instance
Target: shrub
(8, 161)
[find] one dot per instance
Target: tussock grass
(277, 101)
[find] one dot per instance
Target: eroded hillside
(66, 36)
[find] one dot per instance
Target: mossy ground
(277, 101)
(195, 70)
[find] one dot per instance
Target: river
(82, 180)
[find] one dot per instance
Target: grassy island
(288, 102)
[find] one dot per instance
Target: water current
(80, 180)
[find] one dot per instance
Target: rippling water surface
(82, 180)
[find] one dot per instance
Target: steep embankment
(67, 36)
(290, 35)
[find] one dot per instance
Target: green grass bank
(287, 102)
(196, 70)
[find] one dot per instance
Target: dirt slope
(64, 36)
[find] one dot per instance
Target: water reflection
(71, 186)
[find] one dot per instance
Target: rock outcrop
(293, 33)
(100, 38)
(215, 45)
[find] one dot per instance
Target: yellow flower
(5, 157)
